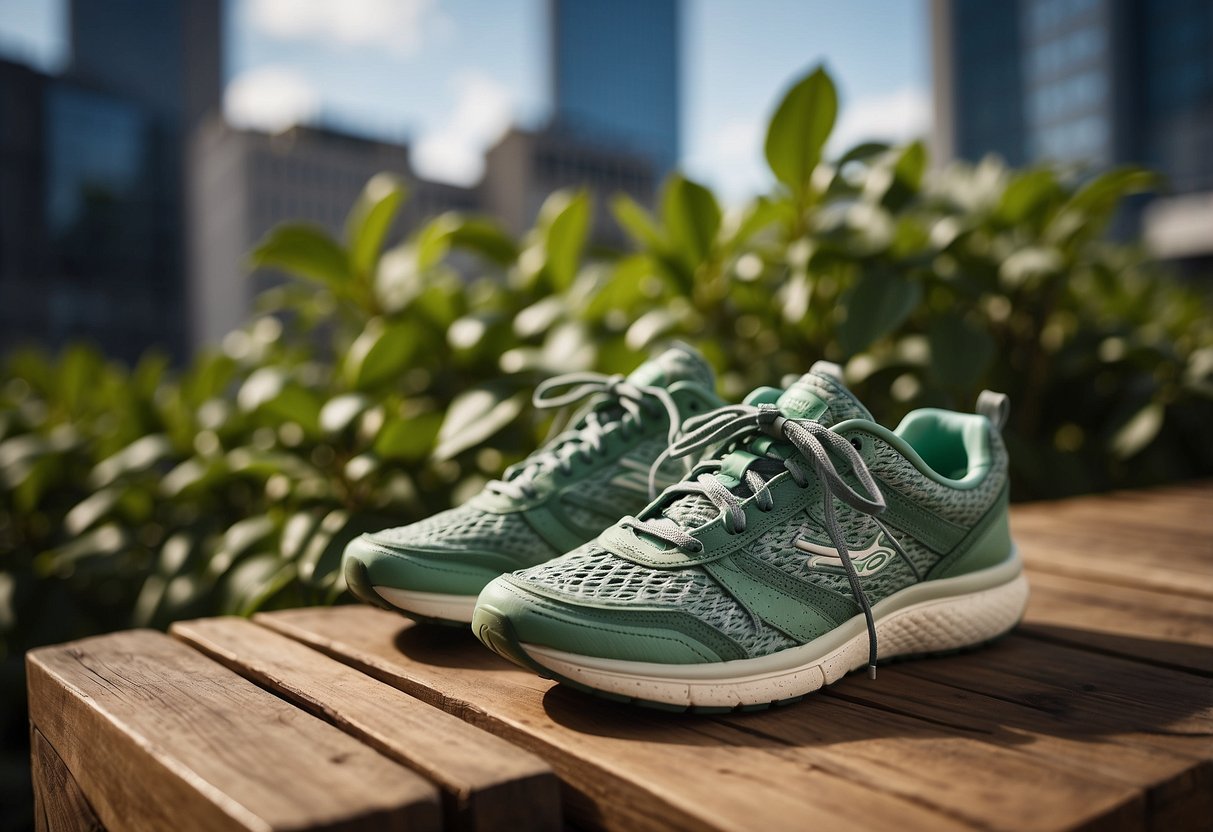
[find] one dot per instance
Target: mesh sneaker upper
(591, 503)
(467, 527)
(592, 575)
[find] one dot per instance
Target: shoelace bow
(813, 441)
(636, 400)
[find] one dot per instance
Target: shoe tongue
(680, 362)
(820, 395)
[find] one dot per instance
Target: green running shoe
(562, 495)
(813, 538)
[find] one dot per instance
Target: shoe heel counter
(987, 544)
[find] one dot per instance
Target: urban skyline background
(147, 147)
(450, 76)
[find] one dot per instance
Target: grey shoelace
(635, 400)
(814, 442)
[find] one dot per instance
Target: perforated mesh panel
(470, 528)
(962, 506)
(590, 574)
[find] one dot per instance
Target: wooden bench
(1097, 713)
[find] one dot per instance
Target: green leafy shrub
(385, 383)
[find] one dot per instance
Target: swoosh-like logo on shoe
(878, 554)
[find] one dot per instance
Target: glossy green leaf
(380, 354)
(799, 129)
(91, 510)
(1030, 266)
(862, 152)
(250, 584)
(304, 251)
(1107, 189)
(878, 303)
(1142, 429)
(400, 277)
(408, 439)
(484, 238)
(140, 455)
(1027, 195)
(621, 287)
(474, 416)
(339, 413)
(636, 220)
(369, 220)
(295, 403)
(691, 218)
(753, 218)
(566, 217)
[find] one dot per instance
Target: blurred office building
(1095, 83)
(128, 206)
(92, 173)
(614, 80)
(245, 182)
(613, 128)
(526, 166)
(615, 74)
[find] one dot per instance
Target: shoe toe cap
(509, 616)
(384, 562)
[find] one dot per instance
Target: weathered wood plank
(488, 784)
(1161, 539)
(160, 737)
(59, 805)
(1155, 627)
(1087, 712)
(1089, 694)
(635, 769)
(888, 756)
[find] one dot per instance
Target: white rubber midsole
(925, 618)
(430, 604)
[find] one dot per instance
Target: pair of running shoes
(674, 550)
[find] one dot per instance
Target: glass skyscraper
(1093, 83)
(615, 72)
(92, 202)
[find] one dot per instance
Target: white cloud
(270, 98)
(454, 151)
(396, 26)
(731, 159)
(899, 116)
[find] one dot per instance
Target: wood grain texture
(160, 737)
(766, 768)
(1174, 631)
(59, 805)
(625, 768)
(1098, 714)
(488, 783)
(1161, 539)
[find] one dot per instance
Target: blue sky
(450, 75)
